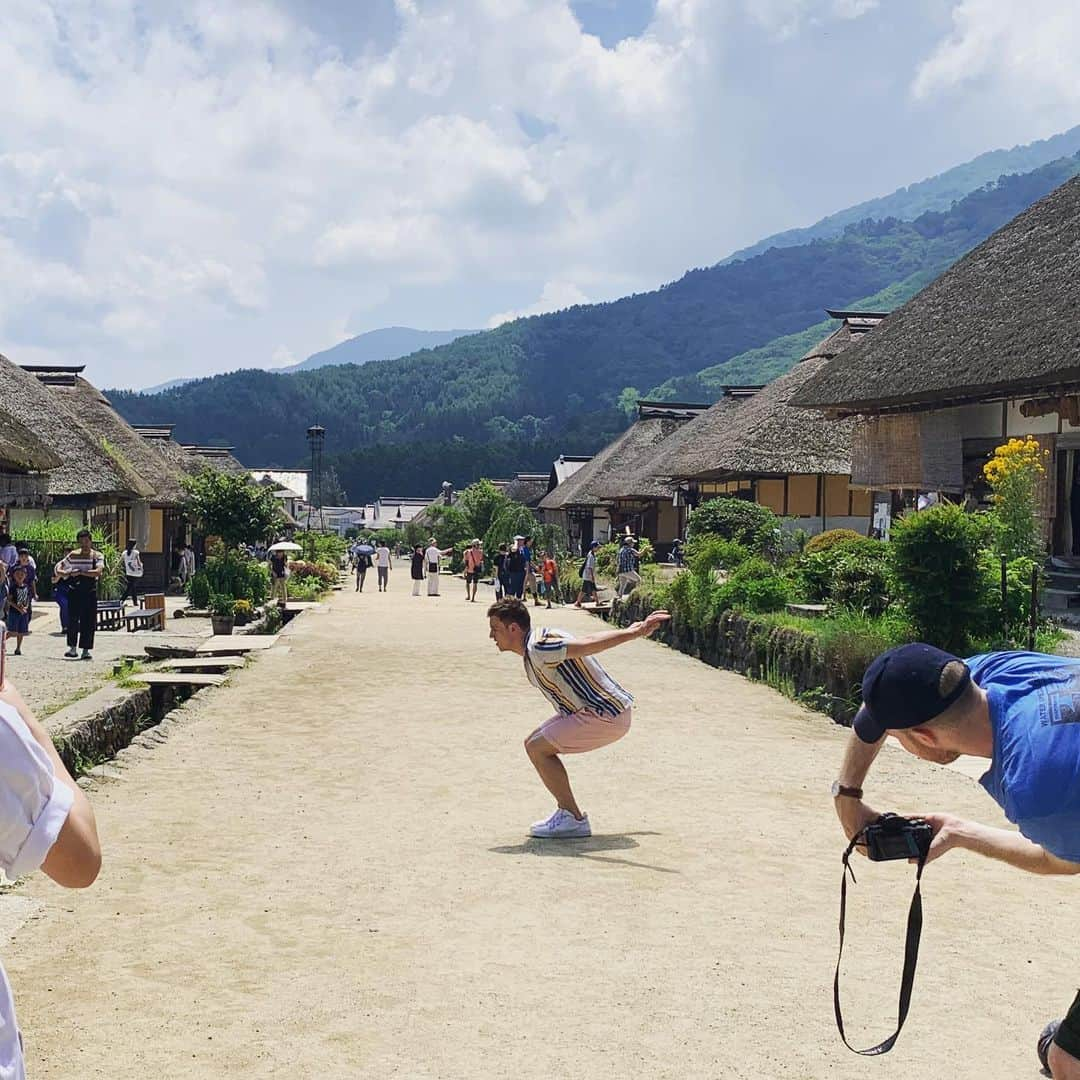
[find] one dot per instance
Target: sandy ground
(324, 872)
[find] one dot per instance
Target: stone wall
(786, 658)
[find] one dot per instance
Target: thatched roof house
(756, 444)
(527, 488)
(219, 457)
(1001, 323)
(624, 463)
(160, 473)
(91, 469)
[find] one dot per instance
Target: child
(550, 571)
(18, 620)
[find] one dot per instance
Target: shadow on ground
(585, 848)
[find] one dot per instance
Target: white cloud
(194, 187)
(555, 296)
(1030, 49)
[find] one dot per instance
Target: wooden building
(755, 444)
(615, 491)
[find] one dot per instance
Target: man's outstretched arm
(608, 639)
(1004, 845)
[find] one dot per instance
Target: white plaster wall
(813, 525)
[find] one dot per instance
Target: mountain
(386, 344)
(512, 397)
(159, 388)
(935, 194)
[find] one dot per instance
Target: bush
(860, 580)
(323, 573)
(198, 590)
(830, 538)
(939, 574)
(709, 552)
(221, 604)
(754, 586)
(753, 526)
(322, 547)
(232, 574)
(304, 589)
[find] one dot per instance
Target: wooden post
(1033, 616)
(1004, 600)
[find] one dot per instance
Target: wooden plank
(236, 643)
(302, 605)
(180, 678)
(199, 663)
(169, 652)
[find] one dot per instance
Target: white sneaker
(562, 825)
(73, 653)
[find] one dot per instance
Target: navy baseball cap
(902, 689)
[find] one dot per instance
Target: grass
(126, 674)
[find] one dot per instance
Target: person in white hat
(432, 556)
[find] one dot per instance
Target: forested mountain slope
(553, 381)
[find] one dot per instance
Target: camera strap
(911, 953)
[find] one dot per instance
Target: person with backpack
(363, 565)
(515, 568)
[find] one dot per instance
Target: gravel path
(323, 872)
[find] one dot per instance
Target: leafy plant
(232, 506)
(242, 611)
(754, 586)
(1014, 473)
(755, 527)
(828, 539)
(198, 590)
(221, 605)
(935, 556)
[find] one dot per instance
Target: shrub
(221, 604)
(815, 571)
(754, 526)
(754, 586)
(233, 574)
(198, 590)
(935, 562)
(322, 547)
(709, 552)
(824, 541)
(860, 580)
(323, 573)
(242, 611)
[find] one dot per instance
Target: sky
(191, 188)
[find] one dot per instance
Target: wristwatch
(838, 789)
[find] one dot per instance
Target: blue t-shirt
(1034, 775)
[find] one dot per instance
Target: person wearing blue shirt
(1019, 709)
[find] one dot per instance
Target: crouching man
(1022, 711)
(46, 821)
(592, 709)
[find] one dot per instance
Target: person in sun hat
(592, 710)
(1019, 709)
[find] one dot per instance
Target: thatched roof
(21, 450)
(765, 434)
(220, 457)
(684, 453)
(527, 488)
(88, 466)
(160, 470)
(1000, 323)
(621, 469)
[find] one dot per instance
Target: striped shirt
(571, 685)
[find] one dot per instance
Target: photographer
(1018, 709)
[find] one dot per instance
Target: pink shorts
(575, 733)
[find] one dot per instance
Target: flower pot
(221, 624)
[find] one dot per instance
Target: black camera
(896, 837)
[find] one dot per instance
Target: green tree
(481, 503)
(627, 401)
(231, 506)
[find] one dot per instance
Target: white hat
(519, 537)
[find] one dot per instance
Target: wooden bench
(110, 614)
(812, 611)
(152, 619)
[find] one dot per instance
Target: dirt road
(324, 872)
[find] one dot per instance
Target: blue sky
(186, 189)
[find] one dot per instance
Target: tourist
(18, 609)
(502, 574)
(1019, 710)
(515, 568)
(82, 568)
(592, 710)
(416, 571)
(474, 565)
(5, 589)
(588, 576)
(279, 577)
(186, 565)
(676, 555)
(46, 822)
(433, 554)
(383, 563)
(9, 553)
(133, 570)
(549, 570)
(529, 586)
(363, 565)
(628, 561)
(26, 561)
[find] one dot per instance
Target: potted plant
(221, 613)
(242, 612)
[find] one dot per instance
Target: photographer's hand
(1004, 845)
(854, 816)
